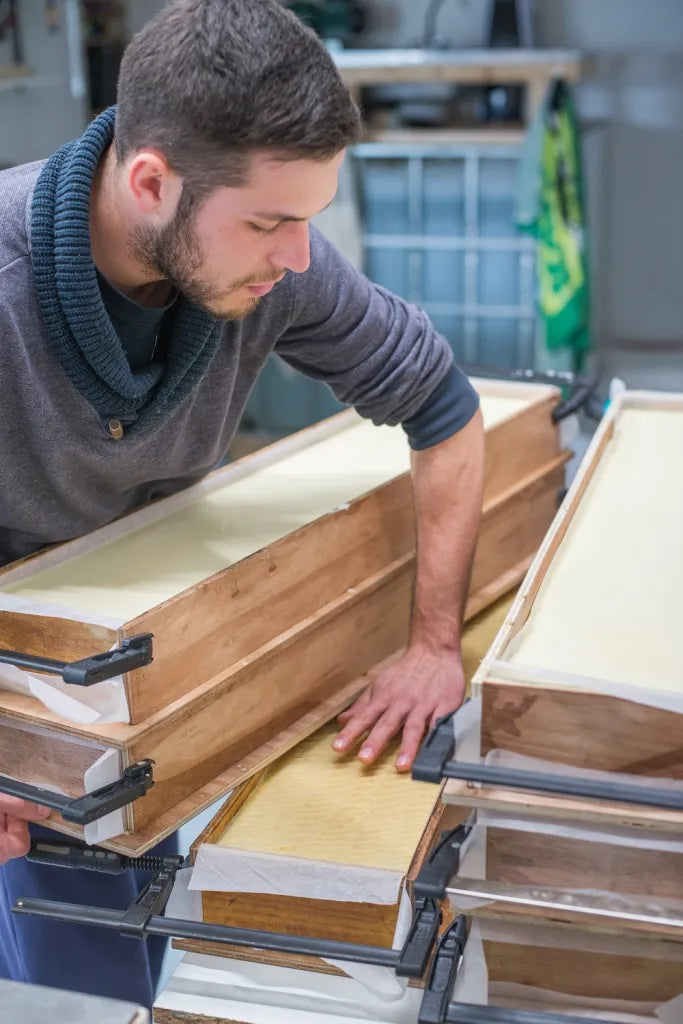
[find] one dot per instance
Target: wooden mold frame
(575, 962)
(210, 627)
(614, 883)
(344, 582)
(373, 924)
(539, 717)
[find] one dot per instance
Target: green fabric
(551, 208)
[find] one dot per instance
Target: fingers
(357, 725)
(413, 731)
(14, 838)
(23, 809)
(357, 706)
(385, 729)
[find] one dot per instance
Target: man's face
(227, 251)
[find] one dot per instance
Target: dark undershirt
(142, 330)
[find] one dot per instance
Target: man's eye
(264, 231)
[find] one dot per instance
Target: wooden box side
(203, 631)
(540, 859)
(511, 530)
(519, 444)
(551, 724)
(583, 972)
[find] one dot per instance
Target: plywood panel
(40, 759)
(539, 859)
(589, 730)
(584, 973)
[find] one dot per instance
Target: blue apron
(70, 956)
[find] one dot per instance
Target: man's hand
(411, 694)
(14, 817)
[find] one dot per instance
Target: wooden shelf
(447, 136)
(534, 69)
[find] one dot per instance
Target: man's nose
(293, 251)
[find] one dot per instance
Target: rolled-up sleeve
(373, 349)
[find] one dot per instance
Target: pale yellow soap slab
(135, 572)
(315, 805)
(611, 603)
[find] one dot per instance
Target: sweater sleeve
(375, 351)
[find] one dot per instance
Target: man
(147, 271)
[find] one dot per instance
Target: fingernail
(338, 744)
(365, 753)
(402, 761)
(44, 811)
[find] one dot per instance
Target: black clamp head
(435, 751)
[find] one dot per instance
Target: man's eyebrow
(286, 216)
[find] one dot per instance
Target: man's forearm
(448, 488)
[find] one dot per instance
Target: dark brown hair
(210, 82)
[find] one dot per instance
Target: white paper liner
(106, 769)
(102, 702)
(224, 989)
(225, 869)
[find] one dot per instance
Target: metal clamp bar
(134, 652)
(143, 918)
(134, 783)
(102, 917)
(564, 785)
(470, 1013)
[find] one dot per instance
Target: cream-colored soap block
(139, 570)
(611, 602)
(315, 805)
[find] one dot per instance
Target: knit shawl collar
(71, 305)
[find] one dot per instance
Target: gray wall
(631, 106)
(39, 114)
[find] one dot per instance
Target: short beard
(173, 254)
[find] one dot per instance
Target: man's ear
(154, 187)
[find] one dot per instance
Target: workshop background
(431, 204)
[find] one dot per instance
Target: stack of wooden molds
(271, 588)
(586, 678)
(575, 906)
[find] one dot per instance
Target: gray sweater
(62, 473)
